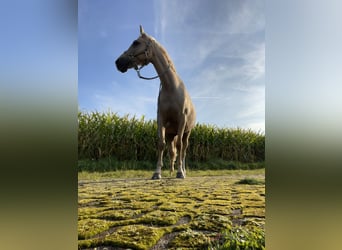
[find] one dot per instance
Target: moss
(190, 239)
(134, 236)
(86, 244)
(250, 181)
(177, 207)
(210, 222)
(89, 212)
(140, 205)
(216, 202)
(90, 227)
(137, 213)
(86, 201)
(121, 214)
(161, 218)
(153, 199)
(183, 200)
(254, 212)
(213, 209)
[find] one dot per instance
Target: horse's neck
(164, 67)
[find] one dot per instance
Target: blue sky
(218, 48)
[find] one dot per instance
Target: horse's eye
(136, 43)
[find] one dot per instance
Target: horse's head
(138, 54)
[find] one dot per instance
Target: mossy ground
(140, 213)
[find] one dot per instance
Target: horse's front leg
(161, 146)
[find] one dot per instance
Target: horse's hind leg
(185, 140)
(161, 146)
(172, 154)
(179, 146)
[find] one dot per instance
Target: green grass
(242, 238)
(112, 164)
(124, 174)
(86, 175)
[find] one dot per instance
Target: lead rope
(150, 78)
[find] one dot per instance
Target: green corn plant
(125, 138)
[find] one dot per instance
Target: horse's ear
(142, 32)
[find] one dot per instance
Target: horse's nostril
(117, 62)
(122, 64)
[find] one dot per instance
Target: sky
(217, 47)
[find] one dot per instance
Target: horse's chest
(169, 108)
(169, 111)
(170, 101)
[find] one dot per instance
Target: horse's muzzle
(122, 64)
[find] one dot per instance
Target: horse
(176, 114)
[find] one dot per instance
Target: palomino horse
(176, 113)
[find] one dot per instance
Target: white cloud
(130, 104)
(120, 98)
(254, 102)
(221, 29)
(258, 127)
(228, 17)
(255, 62)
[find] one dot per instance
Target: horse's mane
(163, 51)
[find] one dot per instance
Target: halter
(150, 78)
(146, 62)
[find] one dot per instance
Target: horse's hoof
(156, 176)
(180, 175)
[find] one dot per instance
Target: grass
(207, 210)
(97, 176)
(112, 164)
(242, 238)
(125, 174)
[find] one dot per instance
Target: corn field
(104, 135)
